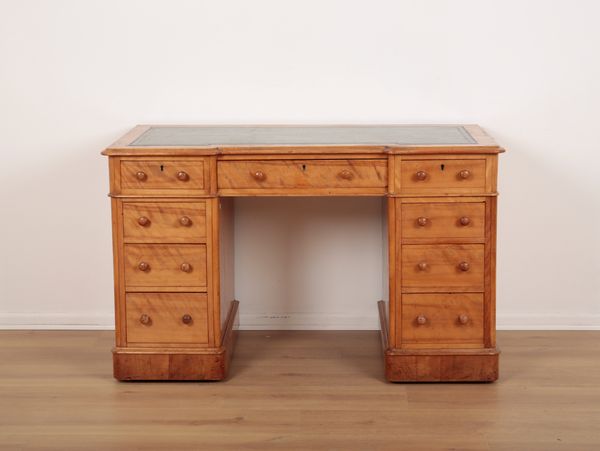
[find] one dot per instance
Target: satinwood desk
(172, 190)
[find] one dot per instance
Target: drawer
(165, 266)
(443, 220)
(442, 176)
(302, 174)
(174, 318)
(442, 267)
(452, 319)
(169, 222)
(157, 176)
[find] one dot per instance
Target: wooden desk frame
(459, 349)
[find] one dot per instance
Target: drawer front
(444, 220)
(160, 266)
(156, 176)
(302, 174)
(174, 318)
(442, 268)
(453, 319)
(169, 222)
(442, 176)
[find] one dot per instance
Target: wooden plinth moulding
(176, 364)
(436, 365)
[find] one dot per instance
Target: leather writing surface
(304, 135)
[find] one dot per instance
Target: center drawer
(165, 267)
(302, 174)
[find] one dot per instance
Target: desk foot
(436, 365)
(179, 364)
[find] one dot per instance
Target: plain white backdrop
(75, 75)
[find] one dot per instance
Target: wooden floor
(288, 391)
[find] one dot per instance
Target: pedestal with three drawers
(172, 191)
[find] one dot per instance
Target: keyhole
(162, 167)
(442, 167)
(304, 167)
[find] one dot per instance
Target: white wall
(75, 75)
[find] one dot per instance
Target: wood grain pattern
(118, 273)
(443, 326)
(289, 391)
(161, 362)
(302, 174)
(442, 368)
(226, 256)
(213, 268)
(442, 176)
(443, 221)
(157, 176)
(165, 318)
(164, 266)
(442, 272)
(490, 272)
(164, 222)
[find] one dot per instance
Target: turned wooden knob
(186, 267)
(185, 221)
(421, 320)
(183, 176)
(465, 221)
(422, 266)
(346, 175)
(464, 266)
(141, 175)
(259, 176)
(145, 319)
(186, 319)
(464, 174)
(421, 175)
(143, 221)
(463, 319)
(143, 266)
(422, 221)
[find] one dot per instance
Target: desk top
(232, 139)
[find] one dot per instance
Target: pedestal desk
(172, 190)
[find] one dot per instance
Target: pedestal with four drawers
(172, 191)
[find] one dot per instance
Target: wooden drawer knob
(143, 221)
(183, 176)
(421, 320)
(145, 320)
(465, 221)
(463, 319)
(346, 175)
(422, 221)
(143, 266)
(186, 319)
(185, 221)
(464, 174)
(141, 176)
(186, 267)
(259, 176)
(421, 175)
(464, 266)
(422, 266)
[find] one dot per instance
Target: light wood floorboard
(298, 390)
